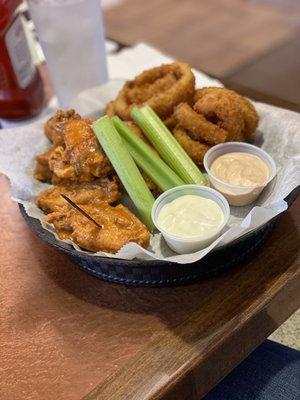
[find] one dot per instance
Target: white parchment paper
(278, 133)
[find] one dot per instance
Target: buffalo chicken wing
(118, 227)
(93, 193)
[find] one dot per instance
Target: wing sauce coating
(55, 126)
(119, 226)
(75, 154)
(92, 194)
(79, 169)
(84, 152)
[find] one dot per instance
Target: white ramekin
(235, 194)
(192, 244)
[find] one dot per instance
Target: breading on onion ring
(224, 114)
(170, 122)
(141, 93)
(198, 127)
(196, 150)
(197, 118)
(162, 88)
(229, 110)
(251, 117)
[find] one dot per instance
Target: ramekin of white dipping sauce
(240, 171)
(190, 217)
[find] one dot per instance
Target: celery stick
(124, 165)
(168, 147)
(147, 159)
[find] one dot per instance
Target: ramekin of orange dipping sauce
(240, 171)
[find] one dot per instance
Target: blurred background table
(66, 335)
(251, 45)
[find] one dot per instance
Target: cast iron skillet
(161, 273)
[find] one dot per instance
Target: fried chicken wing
(100, 190)
(84, 151)
(75, 154)
(59, 164)
(42, 170)
(55, 126)
(118, 227)
(79, 159)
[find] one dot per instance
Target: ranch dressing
(242, 169)
(191, 216)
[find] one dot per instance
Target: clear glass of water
(71, 34)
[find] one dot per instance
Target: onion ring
(196, 150)
(170, 122)
(251, 117)
(162, 88)
(197, 126)
(224, 114)
(231, 111)
(140, 94)
(55, 125)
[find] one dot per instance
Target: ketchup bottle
(21, 88)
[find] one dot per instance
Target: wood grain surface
(276, 74)
(65, 334)
(251, 44)
(215, 36)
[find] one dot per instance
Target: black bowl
(161, 273)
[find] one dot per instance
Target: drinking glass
(71, 34)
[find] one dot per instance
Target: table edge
(258, 311)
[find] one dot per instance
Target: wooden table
(249, 44)
(65, 334)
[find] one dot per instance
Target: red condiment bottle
(21, 87)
